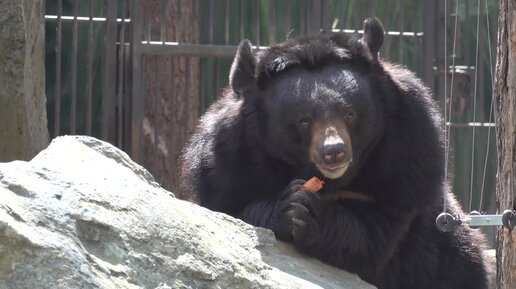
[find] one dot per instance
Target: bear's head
(315, 101)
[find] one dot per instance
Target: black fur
(249, 157)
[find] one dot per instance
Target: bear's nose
(334, 153)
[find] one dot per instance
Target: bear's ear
(242, 69)
(373, 35)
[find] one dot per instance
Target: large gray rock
(81, 214)
(23, 115)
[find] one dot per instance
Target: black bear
(327, 106)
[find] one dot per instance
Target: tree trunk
(23, 115)
(171, 87)
(505, 109)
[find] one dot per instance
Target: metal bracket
(446, 222)
(509, 219)
(475, 219)
(506, 219)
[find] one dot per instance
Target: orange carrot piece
(314, 184)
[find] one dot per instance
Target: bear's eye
(349, 115)
(304, 122)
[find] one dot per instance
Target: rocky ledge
(82, 214)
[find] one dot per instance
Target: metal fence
(139, 73)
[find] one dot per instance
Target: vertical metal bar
(158, 88)
(342, 16)
(441, 56)
(57, 112)
(226, 22)
(211, 21)
(120, 81)
(401, 29)
(428, 42)
(89, 69)
(314, 16)
(196, 23)
(481, 66)
(163, 22)
(272, 15)
(202, 90)
(326, 15)
(257, 21)
(170, 133)
(186, 111)
(73, 68)
(308, 16)
(241, 18)
(339, 15)
(173, 96)
(467, 24)
(288, 19)
(302, 17)
(416, 47)
(109, 73)
(357, 18)
(478, 102)
(127, 105)
(457, 32)
(136, 89)
(148, 21)
(177, 21)
(157, 116)
(217, 76)
(386, 47)
(176, 102)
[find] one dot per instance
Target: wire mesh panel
(463, 82)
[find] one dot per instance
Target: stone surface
(81, 214)
(23, 117)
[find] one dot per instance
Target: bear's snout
(334, 153)
(330, 149)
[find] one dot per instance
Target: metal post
(109, 73)
(136, 89)
(429, 42)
